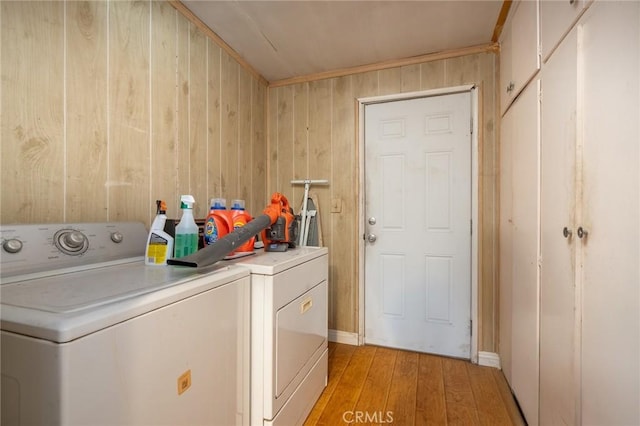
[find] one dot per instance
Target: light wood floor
(389, 386)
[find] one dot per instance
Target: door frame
(361, 103)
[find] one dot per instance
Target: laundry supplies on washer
(186, 241)
(159, 243)
(216, 225)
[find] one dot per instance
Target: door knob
(372, 220)
(582, 233)
(566, 232)
(372, 238)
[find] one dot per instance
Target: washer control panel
(27, 249)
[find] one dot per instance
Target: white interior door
(418, 213)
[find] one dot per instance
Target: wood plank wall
(312, 134)
(110, 105)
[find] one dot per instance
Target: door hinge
(471, 125)
(471, 327)
(471, 226)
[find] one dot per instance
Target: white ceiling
(285, 39)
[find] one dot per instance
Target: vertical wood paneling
(488, 204)
(258, 199)
(343, 225)
(244, 137)
(32, 112)
(410, 78)
(432, 75)
(272, 145)
(229, 142)
(214, 189)
(462, 70)
(342, 162)
(198, 132)
(389, 81)
(183, 158)
(130, 117)
(365, 84)
(300, 141)
(320, 156)
(285, 140)
(86, 94)
(129, 143)
(164, 174)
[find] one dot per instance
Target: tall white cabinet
(583, 353)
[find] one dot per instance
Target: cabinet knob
(566, 233)
(582, 233)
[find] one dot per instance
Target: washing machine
(92, 336)
(289, 333)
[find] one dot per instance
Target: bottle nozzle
(186, 201)
(161, 207)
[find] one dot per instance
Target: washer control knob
(71, 242)
(117, 237)
(12, 246)
(74, 239)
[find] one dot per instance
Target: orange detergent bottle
(239, 217)
(216, 224)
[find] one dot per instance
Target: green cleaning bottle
(186, 241)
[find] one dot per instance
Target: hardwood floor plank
(349, 386)
(461, 407)
(431, 407)
(416, 388)
(491, 409)
(339, 357)
(375, 391)
(402, 395)
(507, 398)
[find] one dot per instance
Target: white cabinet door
(559, 312)
(611, 188)
(506, 240)
(519, 59)
(523, 248)
(556, 19)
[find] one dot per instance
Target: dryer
(289, 349)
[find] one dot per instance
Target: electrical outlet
(336, 205)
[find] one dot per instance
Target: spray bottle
(187, 230)
(159, 243)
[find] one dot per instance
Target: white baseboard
(339, 336)
(489, 359)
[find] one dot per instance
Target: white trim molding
(489, 359)
(345, 337)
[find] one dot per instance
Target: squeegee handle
(309, 181)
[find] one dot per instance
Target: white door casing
(418, 273)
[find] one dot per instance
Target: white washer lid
(64, 307)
